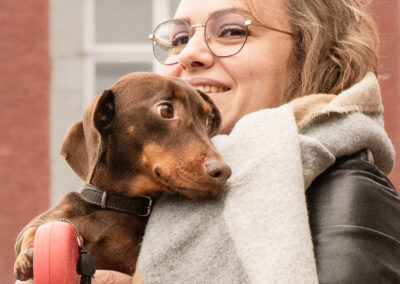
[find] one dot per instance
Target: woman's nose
(196, 54)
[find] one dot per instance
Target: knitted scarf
(259, 232)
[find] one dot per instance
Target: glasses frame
(247, 22)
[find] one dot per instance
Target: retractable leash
(60, 257)
(85, 265)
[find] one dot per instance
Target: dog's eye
(165, 110)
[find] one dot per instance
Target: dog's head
(148, 133)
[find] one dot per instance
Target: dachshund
(145, 136)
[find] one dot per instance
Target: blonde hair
(335, 44)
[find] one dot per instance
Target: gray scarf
(259, 231)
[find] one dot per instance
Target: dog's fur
(123, 144)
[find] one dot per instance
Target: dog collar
(135, 205)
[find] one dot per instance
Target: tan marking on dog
(144, 184)
(155, 155)
(153, 149)
(154, 152)
(183, 168)
(131, 130)
(180, 94)
(206, 107)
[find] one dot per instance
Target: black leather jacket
(354, 214)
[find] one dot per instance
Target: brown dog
(146, 135)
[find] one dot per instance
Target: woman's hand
(101, 277)
(111, 277)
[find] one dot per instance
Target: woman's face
(253, 79)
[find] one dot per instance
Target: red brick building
(26, 95)
(24, 120)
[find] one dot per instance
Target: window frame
(94, 53)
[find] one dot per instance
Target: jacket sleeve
(354, 214)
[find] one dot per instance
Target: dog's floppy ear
(84, 145)
(104, 112)
(216, 115)
(74, 150)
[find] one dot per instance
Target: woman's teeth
(211, 89)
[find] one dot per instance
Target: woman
(333, 147)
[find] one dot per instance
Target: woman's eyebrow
(187, 20)
(242, 11)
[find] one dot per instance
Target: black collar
(135, 205)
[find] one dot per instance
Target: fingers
(111, 277)
(30, 281)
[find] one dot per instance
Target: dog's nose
(218, 170)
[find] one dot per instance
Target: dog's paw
(23, 266)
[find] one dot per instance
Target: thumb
(111, 277)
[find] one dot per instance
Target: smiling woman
(255, 77)
(254, 55)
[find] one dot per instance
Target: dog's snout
(218, 170)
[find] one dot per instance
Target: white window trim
(114, 52)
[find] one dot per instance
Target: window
(93, 43)
(116, 39)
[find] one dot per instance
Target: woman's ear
(216, 121)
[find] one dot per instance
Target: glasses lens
(169, 39)
(226, 33)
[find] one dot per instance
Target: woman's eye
(165, 110)
(180, 39)
(232, 32)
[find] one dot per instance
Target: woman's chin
(222, 100)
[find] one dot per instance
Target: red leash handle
(56, 254)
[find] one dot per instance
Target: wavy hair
(335, 44)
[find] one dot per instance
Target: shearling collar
(363, 97)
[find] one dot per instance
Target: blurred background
(56, 55)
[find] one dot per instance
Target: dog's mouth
(166, 180)
(191, 190)
(161, 177)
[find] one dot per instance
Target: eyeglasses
(224, 33)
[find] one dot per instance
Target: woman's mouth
(211, 89)
(208, 86)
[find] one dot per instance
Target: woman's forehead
(266, 11)
(203, 9)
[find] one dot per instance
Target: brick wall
(386, 14)
(24, 124)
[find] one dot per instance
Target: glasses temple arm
(249, 22)
(163, 43)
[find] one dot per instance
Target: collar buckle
(103, 203)
(148, 207)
